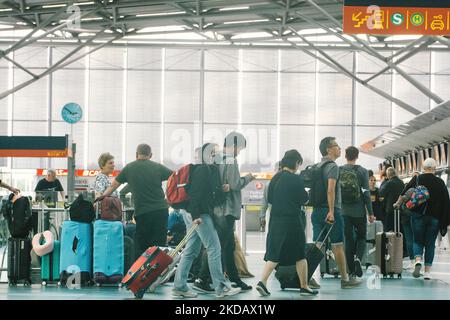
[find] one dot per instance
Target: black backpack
(18, 216)
(312, 178)
(219, 196)
(82, 210)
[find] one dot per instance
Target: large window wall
(175, 99)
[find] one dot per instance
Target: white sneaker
(226, 292)
(183, 294)
(427, 276)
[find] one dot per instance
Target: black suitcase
(328, 264)
(129, 252)
(287, 275)
(19, 261)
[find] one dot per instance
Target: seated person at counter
(47, 189)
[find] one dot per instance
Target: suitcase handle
(183, 241)
(397, 221)
(326, 236)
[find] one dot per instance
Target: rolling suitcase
(151, 266)
(76, 253)
(129, 252)
(369, 255)
(108, 252)
(328, 265)
(287, 275)
(50, 265)
(389, 250)
(19, 261)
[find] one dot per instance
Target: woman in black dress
(286, 241)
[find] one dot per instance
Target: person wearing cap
(431, 218)
(12, 189)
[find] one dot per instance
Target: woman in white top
(102, 182)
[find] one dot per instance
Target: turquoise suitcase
(108, 252)
(50, 265)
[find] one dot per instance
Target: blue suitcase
(108, 252)
(50, 265)
(76, 253)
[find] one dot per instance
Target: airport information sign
(397, 17)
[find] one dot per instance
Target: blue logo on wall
(72, 113)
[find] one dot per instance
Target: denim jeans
(425, 229)
(355, 240)
(409, 238)
(206, 234)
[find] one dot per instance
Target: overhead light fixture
(246, 21)
(54, 6)
(4, 10)
(233, 8)
(91, 19)
(159, 14)
(83, 3)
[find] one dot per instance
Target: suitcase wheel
(98, 284)
(322, 274)
(44, 283)
(282, 288)
(12, 283)
(139, 294)
(336, 276)
(399, 276)
(27, 283)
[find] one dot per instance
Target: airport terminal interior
(79, 79)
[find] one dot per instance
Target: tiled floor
(407, 288)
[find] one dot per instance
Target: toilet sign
(397, 17)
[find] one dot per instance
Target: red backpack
(177, 185)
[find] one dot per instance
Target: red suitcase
(150, 266)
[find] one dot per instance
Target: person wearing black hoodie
(205, 183)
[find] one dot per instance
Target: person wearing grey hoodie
(227, 213)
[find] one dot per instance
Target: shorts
(318, 222)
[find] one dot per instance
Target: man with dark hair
(227, 214)
(329, 210)
(145, 178)
(356, 203)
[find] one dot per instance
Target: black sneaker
(417, 268)
(202, 286)
(262, 289)
(358, 268)
(241, 284)
(308, 292)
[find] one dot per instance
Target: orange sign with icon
(396, 20)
